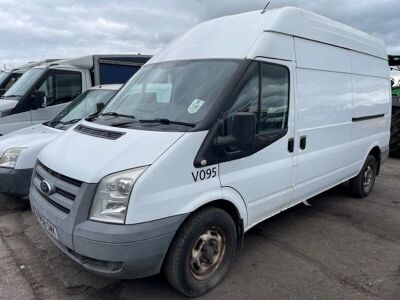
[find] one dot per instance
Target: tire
(189, 255)
(395, 133)
(362, 185)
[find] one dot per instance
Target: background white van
(44, 90)
(19, 149)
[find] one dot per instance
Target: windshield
(3, 75)
(179, 91)
(24, 83)
(84, 105)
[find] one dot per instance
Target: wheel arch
(376, 152)
(228, 200)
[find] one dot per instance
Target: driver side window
(61, 87)
(264, 92)
(47, 88)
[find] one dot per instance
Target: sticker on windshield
(195, 106)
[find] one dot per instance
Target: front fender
(224, 193)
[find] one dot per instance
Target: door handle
(291, 145)
(303, 142)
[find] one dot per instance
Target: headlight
(111, 200)
(10, 157)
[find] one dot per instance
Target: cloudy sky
(32, 29)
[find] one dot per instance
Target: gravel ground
(339, 248)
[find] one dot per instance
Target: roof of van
(234, 36)
(33, 64)
(87, 62)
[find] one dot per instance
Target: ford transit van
(19, 149)
(237, 120)
(43, 91)
(7, 79)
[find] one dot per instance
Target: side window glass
(274, 98)
(247, 99)
(270, 103)
(67, 87)
(47, 87)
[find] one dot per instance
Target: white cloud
(67, 28)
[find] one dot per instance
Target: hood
(28, 137)
(89, 158)
(7, 104)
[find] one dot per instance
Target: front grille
(66, 194)
(100, 133)
(64, 189)
(60, 176)
(54, 203)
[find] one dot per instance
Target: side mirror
(38, 99)
(2, 92)
(99, 106)
(243, 134)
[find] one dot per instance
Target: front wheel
(201, 252)
(361, 185)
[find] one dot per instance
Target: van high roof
(235, 36)
(88, 62)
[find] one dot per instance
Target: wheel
(201, 252)
(362, 184)
(395, 133)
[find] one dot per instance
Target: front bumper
(118, 251)
(15, 182)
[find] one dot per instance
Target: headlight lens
(10, 157)
(111, 200)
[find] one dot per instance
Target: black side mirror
(243, 134)
(99, 106)
(2, 92)
(38, 99)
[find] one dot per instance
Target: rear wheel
(363, 183)
(202, 252)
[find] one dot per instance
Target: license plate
(50, 228)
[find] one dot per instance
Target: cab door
(59, 88)
(264, 178)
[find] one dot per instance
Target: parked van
(238, 119)
(44, 90)
(19, 149)
(7, 79)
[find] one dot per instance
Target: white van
(43, 91)
(19, 149)
(238, 119)
(7, 79)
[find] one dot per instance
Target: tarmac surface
(339, 248)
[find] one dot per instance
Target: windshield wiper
(73, 121)
(12, 96)
(110, 113)
(52, 123)
(165, 121)
(55, 123)
(117, 115)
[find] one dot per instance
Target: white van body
(337, 112)
(59, 82)
(15, 176)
